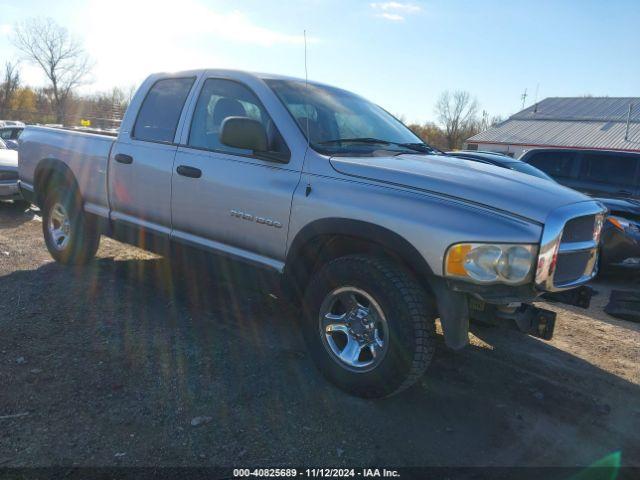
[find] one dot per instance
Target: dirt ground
(110, 364)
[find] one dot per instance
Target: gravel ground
(130, 362)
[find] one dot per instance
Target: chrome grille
(576, 250)
(571, 267)
(569, 247)
(579, 229)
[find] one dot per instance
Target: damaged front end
(458, 308)
(567, 258)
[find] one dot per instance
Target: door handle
(625, 192)
(124, 158)
(191, 172)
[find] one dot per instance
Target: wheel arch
(47, 171)
(309, 251)
(329, 238)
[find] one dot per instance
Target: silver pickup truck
(374, 233)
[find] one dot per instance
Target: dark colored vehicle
(611, 177)
(10, 134)
(500, 160)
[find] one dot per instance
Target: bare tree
(8, 87)
(495, 120)
(61, 57)
(430, 133)
(457, 112)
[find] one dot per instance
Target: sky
(400, 54)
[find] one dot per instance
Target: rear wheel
(70, 235)
(369, 325)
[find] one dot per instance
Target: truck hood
(488, 185)
(8, 159)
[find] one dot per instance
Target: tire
(70, 234)
(403, 335)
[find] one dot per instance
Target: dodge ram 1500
(374, 233)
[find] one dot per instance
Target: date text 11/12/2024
(316, 472)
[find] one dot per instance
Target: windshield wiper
(420, 147)
(357, 140)
(416, 147)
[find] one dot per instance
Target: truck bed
(85, 153)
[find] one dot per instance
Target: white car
(9, 176)
(12, 123)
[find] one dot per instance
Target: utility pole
(524, 98)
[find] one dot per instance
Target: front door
(230, 200)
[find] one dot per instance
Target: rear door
(609, 174)
(141, 164)
(226, 199)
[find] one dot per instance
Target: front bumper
(9, 190)
(460, 302)
(498, 293)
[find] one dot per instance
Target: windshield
(529, 169)
(340, 122)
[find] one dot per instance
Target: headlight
(490, 263)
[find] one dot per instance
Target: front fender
(452, 306)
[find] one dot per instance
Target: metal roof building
(586, 122)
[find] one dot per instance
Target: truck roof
(234, 73)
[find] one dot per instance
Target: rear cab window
(161, 109)
(610, 169)
(555, 164)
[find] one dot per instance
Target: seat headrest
(227, 107)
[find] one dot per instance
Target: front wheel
(70, 235)
(369, 325)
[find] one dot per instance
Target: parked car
(10, 135)
(9, 176)
(500, 160)
(610, 177)
(372, 234)
(11, 123)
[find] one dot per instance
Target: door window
(555, 164)
(220, 99)
(609, 169)
(160, 111)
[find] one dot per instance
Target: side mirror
(245, 133)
